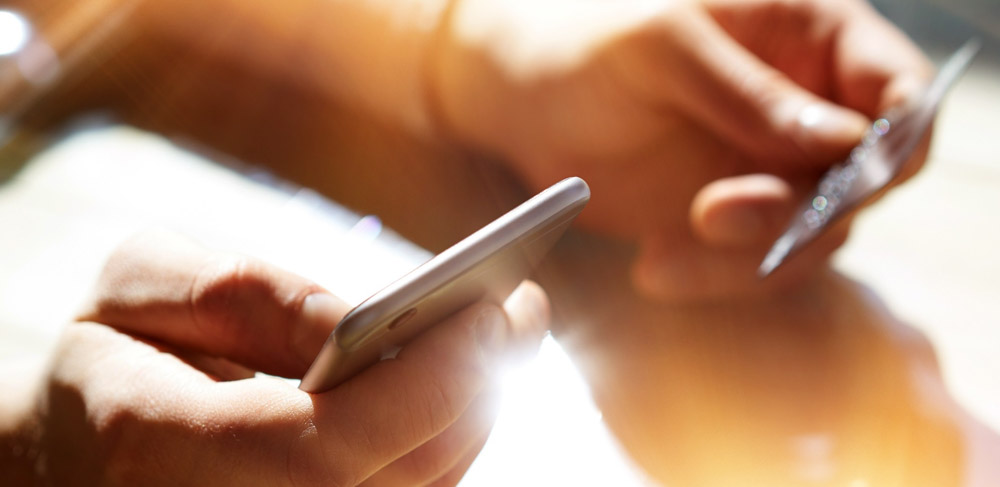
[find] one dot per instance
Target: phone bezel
(360, 337)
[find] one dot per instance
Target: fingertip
(491, 329)
(903, 90)
(319, 314)
(528, 307)
(530, 316)
(826, 124)
(822, 131)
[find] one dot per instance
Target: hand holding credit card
(883, 151)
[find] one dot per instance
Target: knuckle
(231, 292)
(222, 277)
(114, 287)
(226, 287)
(765, 86)
(125, 281)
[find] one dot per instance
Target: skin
(699, 124)
(155, 383)
(697, 139)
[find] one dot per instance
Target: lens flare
(14, 32)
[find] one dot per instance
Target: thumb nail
(318, 316)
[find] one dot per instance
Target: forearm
(18, 427)
(168, 64)
(369, 53)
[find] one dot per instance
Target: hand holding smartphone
(485, 266)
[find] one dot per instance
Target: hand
(699, 125)
(156, 382)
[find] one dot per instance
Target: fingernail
(319, 315)
(524, 338)
(902, 91)
(490, 328)
(823, 123)
(526, 297)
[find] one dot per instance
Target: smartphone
(485, 266)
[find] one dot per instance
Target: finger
(742, 211)
(875, 66)
(443, 453)
(529, 313)
(793, 37)
(753, 106)
(161, 286)
(746, 211)
(395, 405)
(455, 475)
(155, 417)
(679, 268)
(217, 368)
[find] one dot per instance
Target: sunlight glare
(550, 428)
(13, 32)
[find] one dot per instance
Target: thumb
(742, 211)
(750, 104)
(169, 289)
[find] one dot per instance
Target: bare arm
(695, 150)
(372, 53)
(140, 56)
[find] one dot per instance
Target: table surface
(928, 250)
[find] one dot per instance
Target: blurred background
(74, 182)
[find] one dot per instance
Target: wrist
(468, 91)
(433, 88)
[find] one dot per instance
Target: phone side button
(403, 318)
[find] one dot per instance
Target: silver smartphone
(485, 266)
